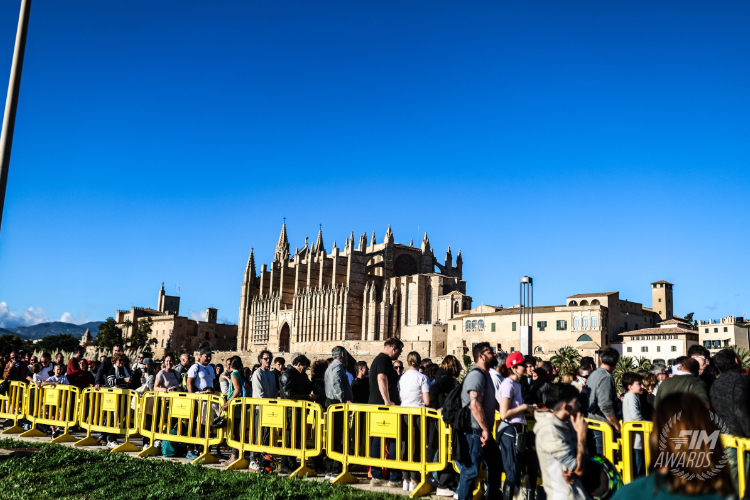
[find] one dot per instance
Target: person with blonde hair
(672, 471)
(414, 391)
(570, 378)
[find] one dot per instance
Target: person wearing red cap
(512, 431)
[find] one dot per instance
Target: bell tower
(661, 299)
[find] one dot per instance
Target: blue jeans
(390, 445)
(639, 465)
(490, 455)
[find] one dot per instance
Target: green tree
(693, 322)
(13, 343)
(642, 363)
(109, 334)
(566, 359)
(58, 343)
(141, 338)
(624, 364)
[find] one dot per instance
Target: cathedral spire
(250, 268)
(372, 242)
(319, 241)
(448, 258)
(388, 236)
(282, 246)
(426, 244)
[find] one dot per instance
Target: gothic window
(585, 321)
(576, 322)
(594, 322)
(481, 324)
(405, 266)
(474, 324)
(468, 324)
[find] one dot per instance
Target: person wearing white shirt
(200, 380)
(414, 391)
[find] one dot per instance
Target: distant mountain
(54, 328)
(3, 331)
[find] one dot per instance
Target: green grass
(61, 473)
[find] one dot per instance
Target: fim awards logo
(691, 453)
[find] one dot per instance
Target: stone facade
(356, 297)
(589, 322)
(178, 333)
(665, 343)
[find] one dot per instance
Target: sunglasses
(267, 359)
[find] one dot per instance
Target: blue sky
(595, 147)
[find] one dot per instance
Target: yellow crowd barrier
(743, 446)
(12, 406)
(109, 411)
(278, 426)
(352, 428)
(190, 415)
(52, 405)
(610, 445)
(628, 437)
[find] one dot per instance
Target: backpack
(173, 449)
(453, 404)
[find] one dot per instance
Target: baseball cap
(206, 350)
(147, 361)
(513, 359)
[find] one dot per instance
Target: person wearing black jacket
(361, 384)
(294, 384)
(729, 396)
(101, 381)
(446, 379)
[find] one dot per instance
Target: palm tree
(743, 354)
(624, 364)
(566, 359)
(642, 363)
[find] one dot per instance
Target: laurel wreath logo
(664, 439)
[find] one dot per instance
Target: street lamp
(11, 102)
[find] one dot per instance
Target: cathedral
(356, 297)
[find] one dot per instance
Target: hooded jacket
(556, 443)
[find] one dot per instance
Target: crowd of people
(501, 394)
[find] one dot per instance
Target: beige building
(178, 333)
(668, 341)
(589, 322)
(725, 332)
(357, 297)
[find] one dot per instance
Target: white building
(725, 332)
(670, 340)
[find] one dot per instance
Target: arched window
(584, 302)
(538, 349)
(474, 324)
(594, 322)
(468, 324)
(455, 308)
(583, 338)
(585, 321)
(576, 322)
(481, 324)
(573, 303)
(595, 302)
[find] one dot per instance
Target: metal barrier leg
(13, 430)
(127, 446)
(33, 432)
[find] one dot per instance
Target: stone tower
(662, 303)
